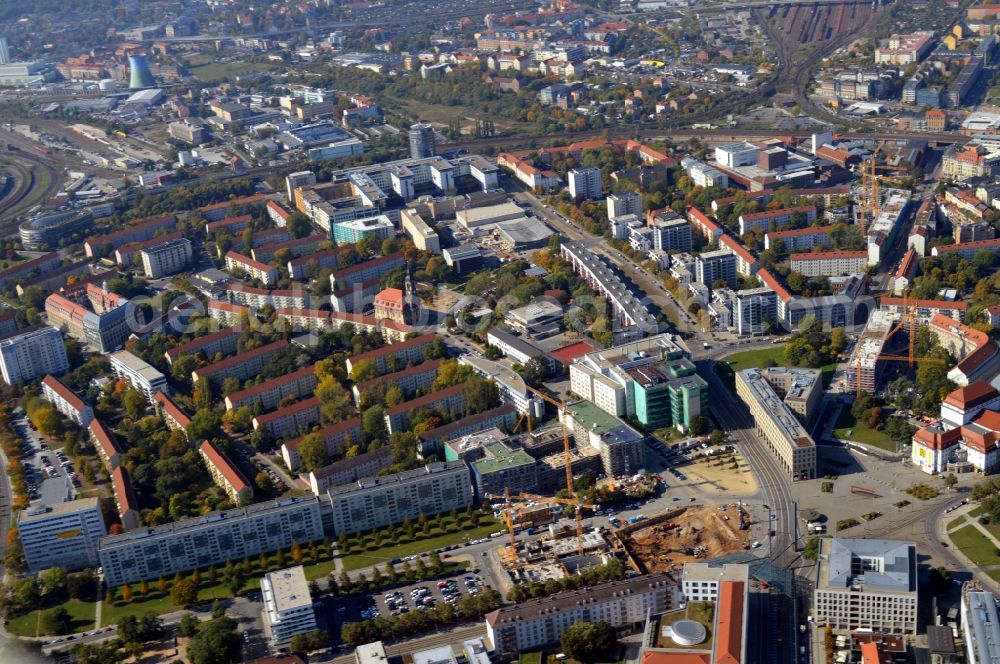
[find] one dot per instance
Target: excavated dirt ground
(661, 548)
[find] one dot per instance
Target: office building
(32, 353)
(96, 317)
(46, 229)
(423, 143)
(496, 466)
(715, 266)
(419, 231)
(703, 175)
(188, 130)
(298, 179)
(377, 502)
(537, 623)
(519, 350)
(904, 49)
(700, 582)
(619, 445)
(773, 415)
(830, 263)
(210, 539)
(504, 416)
(512, 388)
(541, 318)
(166, 258)
(734, 155)
(64, 535)
(866, 585)
(67, 402)
(624, 203)
(584, 183)
(288, 605)
(139, 373)
(356, 230)
(980, 625)
(225, 474)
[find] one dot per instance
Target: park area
(848, 428)
(44, 622)
(761, 358)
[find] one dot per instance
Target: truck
(635, 518)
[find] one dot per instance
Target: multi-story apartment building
(619, 445)
(67, 402)
(773, 415)
(394, 356)
(925, 310)
(320, 320)
(700, 582)
(290, 419)
(139, 373)
(537, 623)
(349, 470)
(297, 248)
(866, 584)
(210, 539)
(377, 502)
(746, 263)
(419, 231)
(631, 317)
(585, 183)
(173, 415)
(770, 220)
(125, 500)
(222, 342)
(228, 225)
(63, 535)
(255, 269)
(969, 161)
(449, 401)
(624, 203)
(225, 474)
(336, 438)
(242, 366)
(288, 605)
(703, 175)
(365, 271)
(166, 258)
(219, 211)
(904, 49)
(126, 254)
(799, 239)
(830, 263)
(411, 380)
(107, 446)
(301, 266)
(101, 319)
(967, 249)
(31, 353)
(248, 296)
(672, 234)
(502, 468)
(754, 310)
(44, 263)
(269, 393)
(714, 266)
(102, 245)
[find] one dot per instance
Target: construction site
(666, 542)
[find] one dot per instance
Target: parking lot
(427, 595)
(51, 476)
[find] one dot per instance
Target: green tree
(298, 224)
(134, 404)
(56, 621)
(184, 593)
(215, 643)
(188, 625)
(588, 642)
(312, 450)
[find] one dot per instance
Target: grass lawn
(974, 544)
(976, 512)
(386, 553)
(994, 574)
(154, 602)
(755, 359)
(218, 71)
(955, 522)
(860, 432)
(82, 613)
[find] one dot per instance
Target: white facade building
(167, 258)
(585, 183)
(63, 535)
(139, 373)
(288, 606)
(31, 354)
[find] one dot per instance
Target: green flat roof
(499, 457)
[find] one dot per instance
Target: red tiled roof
(246, 200)
(241, 358)
(222, 463)
(243, 219)
(105, 438)
(227, 306)
(366, 264)
(197, 343)
(427, 399)
(737, 248)
(155, 222)
(241, 288)
(390, 349)
(172, 410)
(871, 653)
(750, 196)
(932, 304)
(29, 265)
(771, 282)
(124, 494)
(319, 255)
(249, 262)
(664, 657)
(828, 255)
(978, 244)
(281, 211)
(389, 297)
(972, 395)
(800, 232)
(907, 266)
(304, 404)
(57, 386)
(729, 623)
(567, 354)
(938, 440)
(698, 217)
(768, 214)
(268, 384)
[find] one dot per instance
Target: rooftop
(398, 478)
(500, 457)
(289, 590)
(41, 512)
(868, 565)
(775, 408)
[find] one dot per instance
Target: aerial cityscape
(500, 331)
